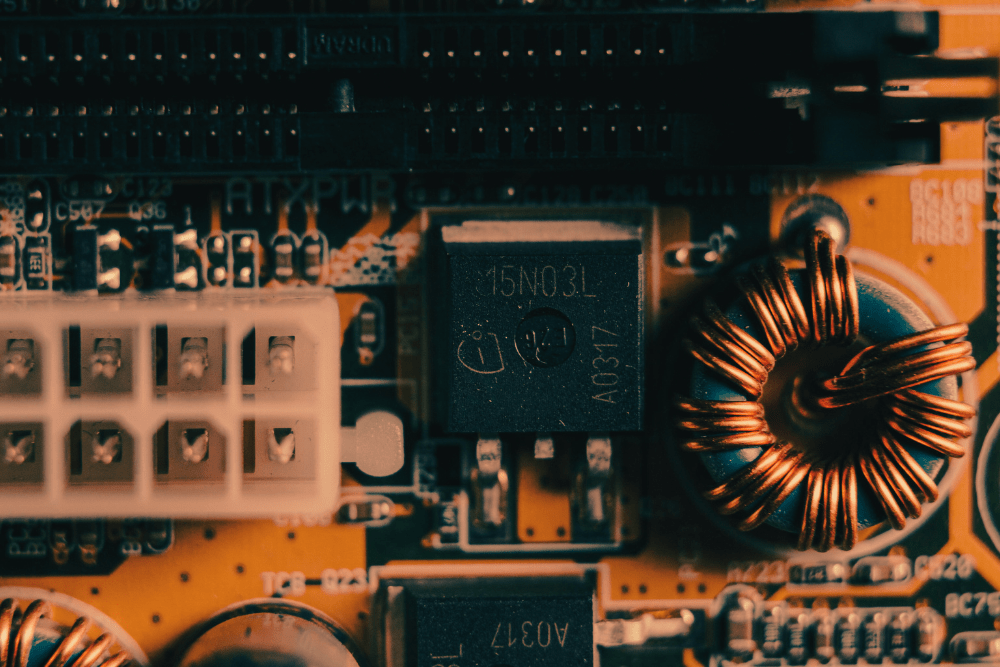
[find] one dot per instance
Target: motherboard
(499, 333)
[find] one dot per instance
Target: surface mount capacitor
(740, 643)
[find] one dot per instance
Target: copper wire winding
(17, 634)
(885, 373)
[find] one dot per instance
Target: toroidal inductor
(887, 418)
(30, 638)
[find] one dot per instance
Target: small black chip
(545, 327)
(488, 623)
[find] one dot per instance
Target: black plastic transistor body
(544, 327)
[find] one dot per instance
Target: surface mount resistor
(90, 535)
(899, 637)
(62, 540)
(873, 633)
(314, 252)
(35, 206)
(187, 268)
(217, 260)
(876, 570)
(929, 635)
(740, 643)
(645, 628)
(369, 331)
(245, 260)
(283, 248)
(848, 648)
(821, 573)
(114, 265)
(976, 647)
(368, 325)
(773, 644)
(446, 522)
(798, 636)
(37, 262)
(368, 510)
(823, 637)
(10, 261)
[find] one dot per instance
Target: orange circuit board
(490, 333)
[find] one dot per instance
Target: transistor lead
(593, 498)
(489, 484)
(598, 476)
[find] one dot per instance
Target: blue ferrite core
(43, 646)
(886, 313)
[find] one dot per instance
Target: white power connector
(182, 405)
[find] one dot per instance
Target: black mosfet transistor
(486, 622)
(544, 327)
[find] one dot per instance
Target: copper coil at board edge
(23, 633)
(883, 375)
